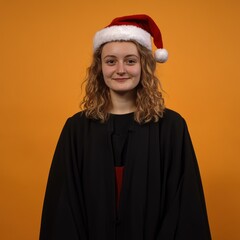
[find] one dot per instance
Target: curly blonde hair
(149, 99)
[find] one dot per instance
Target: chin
(123, 91)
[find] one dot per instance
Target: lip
(121, 79)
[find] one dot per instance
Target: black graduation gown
(162, 196)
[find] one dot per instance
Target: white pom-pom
(161, 55)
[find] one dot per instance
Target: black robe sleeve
(185, 215)
(63, 204)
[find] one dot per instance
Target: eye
(110, 62)
(131, 61)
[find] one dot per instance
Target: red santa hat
(135, 27)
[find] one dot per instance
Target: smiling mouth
(120, 79)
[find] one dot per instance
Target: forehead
(120, 49)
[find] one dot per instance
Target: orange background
(45, 47)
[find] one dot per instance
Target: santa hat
(135, 27)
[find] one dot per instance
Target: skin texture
(121, 68)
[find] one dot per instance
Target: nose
(120, 68)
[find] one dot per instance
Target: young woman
(124, 167)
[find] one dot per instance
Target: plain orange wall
(45, 47)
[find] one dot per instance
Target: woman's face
(121, 66)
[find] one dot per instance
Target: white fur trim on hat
(122, 32)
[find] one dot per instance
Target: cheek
(106, 75)
(107, 71)
(136, 72)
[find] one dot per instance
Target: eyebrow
(130, 55)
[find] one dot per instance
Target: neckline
(121, 114)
